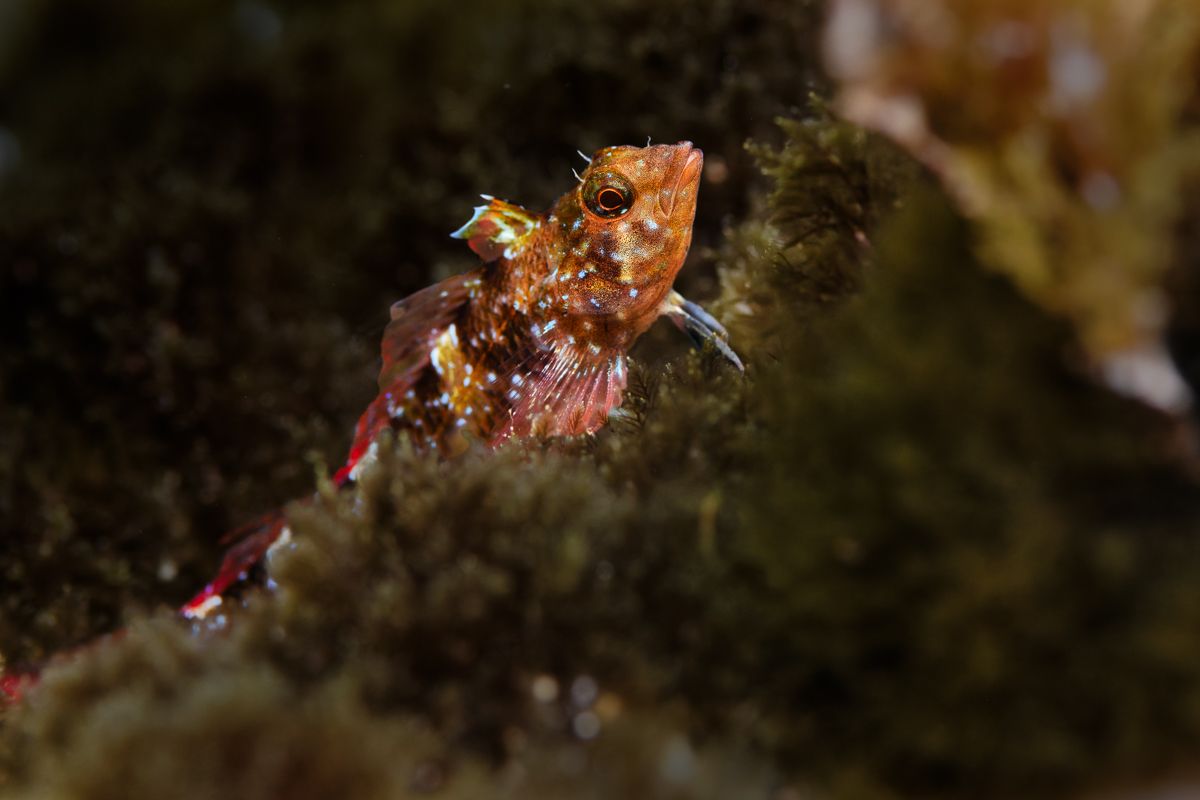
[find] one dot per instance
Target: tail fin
(250, 544)
(14, 684)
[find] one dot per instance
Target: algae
(1062, 129)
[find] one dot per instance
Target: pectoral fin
(700, 326)
(563, 391)
(497, 229)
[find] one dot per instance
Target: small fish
(534, 341)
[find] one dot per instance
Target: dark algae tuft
(919, 550)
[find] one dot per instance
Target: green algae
(912, 553)
(832, 185)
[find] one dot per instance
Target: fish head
(624, 231)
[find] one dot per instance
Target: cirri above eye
(610, 197)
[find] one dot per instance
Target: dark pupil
(610, 199)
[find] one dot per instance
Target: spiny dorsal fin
(417, 321)
(497, 229)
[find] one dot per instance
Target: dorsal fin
(497, 229)
(417, 322)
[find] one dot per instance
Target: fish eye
(610, 198)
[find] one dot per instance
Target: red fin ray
(13, 685)
(250, 544)
(417, 322)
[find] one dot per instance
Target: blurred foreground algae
(1062, 129)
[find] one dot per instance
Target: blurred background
(939, 541)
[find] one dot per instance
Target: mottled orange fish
(535, 339)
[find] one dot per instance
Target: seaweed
(1062, 130)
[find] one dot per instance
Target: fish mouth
(686, 164)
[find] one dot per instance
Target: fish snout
(683, 180)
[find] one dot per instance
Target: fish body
(534, 341)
